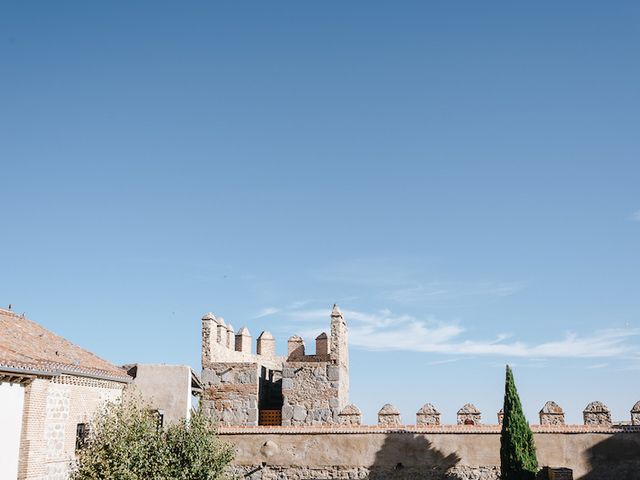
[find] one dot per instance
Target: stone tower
(242, 388)
(339, 351)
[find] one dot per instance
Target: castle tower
(339, 350)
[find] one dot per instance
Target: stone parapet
(597, 413)
(469, 415)
(428, 415)
(389, 415)
(551, 414)
(350, 415)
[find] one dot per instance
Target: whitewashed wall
(11, 404)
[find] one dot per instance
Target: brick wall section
(52, 410)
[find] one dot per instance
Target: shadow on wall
(616, 458)
(404, 456)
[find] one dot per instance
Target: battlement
(221, 344)
(247, 388)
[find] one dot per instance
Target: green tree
(195, 451)
(126, 443)
(517, 449)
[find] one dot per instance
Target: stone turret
(339, 350)
(551, 414)
(266, 345)
(428, 415)
(231, 338)
(208, 329)
(597, 413)
(221, 337)
(243, 340)
(295, 347)
(322, 344)
(469, 415)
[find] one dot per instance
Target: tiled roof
(25, 345)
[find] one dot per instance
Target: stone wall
(438, 452)
(310, 393)
(231, 392)
(52, 410)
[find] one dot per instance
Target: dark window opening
(270, 399)
(82, 435)
(159, 416)
(468, 421)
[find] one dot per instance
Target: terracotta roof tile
(28, 346)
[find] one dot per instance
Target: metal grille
(270, 418)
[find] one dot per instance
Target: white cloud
(265, 312)
(440, 291)
(384, 330)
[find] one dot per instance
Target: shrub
(126, 443)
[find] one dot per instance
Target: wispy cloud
(384, 330)
(268, 311)
(265, 312)
(598, 365)
(441, 291)
(635, 216)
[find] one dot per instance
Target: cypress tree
(517, 449)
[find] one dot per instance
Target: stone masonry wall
(310, 392)
(231, 392)
(52, 411)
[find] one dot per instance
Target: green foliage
(126, 444)
(195, 451)
(517, 449)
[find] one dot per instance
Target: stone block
(287, 412)
(288, 372)
(333, 373)
(252, 416)
(211, 377)
(287, 383)
(299, 413)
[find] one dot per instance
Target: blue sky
(462, 178)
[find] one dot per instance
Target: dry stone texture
(551, 414)
(469, 415)
(428, 415)
(597, 413)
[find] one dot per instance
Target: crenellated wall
(452, 452)
(300, 389)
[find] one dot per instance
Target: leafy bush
(126, 443)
